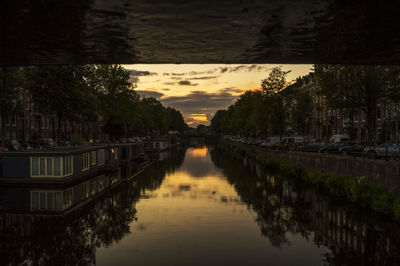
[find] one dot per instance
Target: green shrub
(383, 203)
(336, 184)
(77, 139)
(357, 190)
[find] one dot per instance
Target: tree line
(85, 93)
(278, 105)
(281, 106)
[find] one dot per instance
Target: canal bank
(357, 189)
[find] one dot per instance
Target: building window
(388, 111)
(114, 153)
(93, 158)
(85, 161)
(8, 120)
(378, 113)
(32, 122)
(101, 157)
(46, 200)
(47, 167)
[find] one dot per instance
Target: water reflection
(72, 234)
(201, 207)
(354, 237)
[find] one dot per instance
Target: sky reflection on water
(197, 218)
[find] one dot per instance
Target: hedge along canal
(358, 190)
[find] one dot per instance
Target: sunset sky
(198, 91)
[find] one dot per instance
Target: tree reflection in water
(284, 209)
(72, 239)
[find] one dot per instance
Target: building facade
(327, 122)
(26, 123)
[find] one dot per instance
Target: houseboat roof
(63, 150)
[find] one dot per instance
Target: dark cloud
(197, 102)
(148, 93)
(228, 69)
(205, 77)
(224, 69)
(137, 73)
(177, 74)
(187, 83)
(166, 89)
(231, 90)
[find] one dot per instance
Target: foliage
(357, 190)
(83, 93)
(10, 79)
(353, 88)
(61, 90)
(268, 111)
(77, 139)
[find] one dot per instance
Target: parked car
(269, 142)
(339, 138)
(47, 143)
(292, 143)
(3, 148)
(25, 145)
(13, 145)
(34, 144)
(389, 150)
(353, 150)
(334, 148)
(311, 147)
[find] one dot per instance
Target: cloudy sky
(198, 91)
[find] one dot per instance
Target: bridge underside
(199, 31)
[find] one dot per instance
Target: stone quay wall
(382, 172)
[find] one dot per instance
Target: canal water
(201, 207)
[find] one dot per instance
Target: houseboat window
(49, 165)
(101, 157)
(68, 165)
(93, 158)
(114, 152)
(57, 166)
(85, 161)
(35, 166)
(42, 168)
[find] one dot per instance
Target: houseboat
(62, 165)
(156, 145)
(56, 165)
